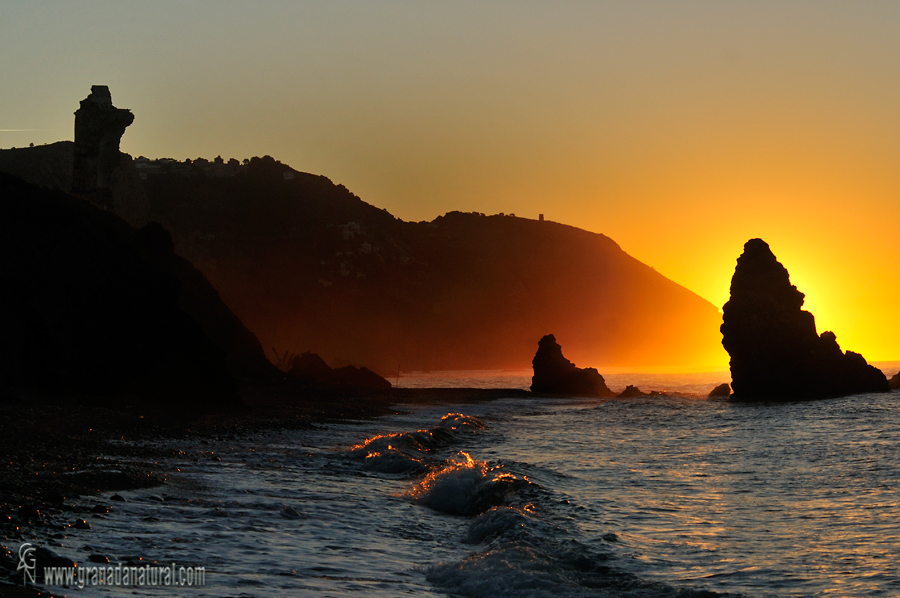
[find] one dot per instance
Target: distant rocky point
(776, 353)
(554, 374)
(311, 370)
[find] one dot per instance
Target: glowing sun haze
(679, 129)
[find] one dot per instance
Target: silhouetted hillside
(307, 265)
(91, 304)
(43, 165)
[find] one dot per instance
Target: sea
(676, 495)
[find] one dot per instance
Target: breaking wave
(464, 486)
(407, 452)
(524, 536)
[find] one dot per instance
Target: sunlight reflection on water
(796, 499)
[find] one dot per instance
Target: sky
(679, 129)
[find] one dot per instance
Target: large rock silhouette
(555, 374)
(94, 306)
(774, 348)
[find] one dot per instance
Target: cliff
(308, 266)
(92, 305)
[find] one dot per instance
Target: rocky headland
(776, 353)
(311, 370)
(309, 266)
(93, 305)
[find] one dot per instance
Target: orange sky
(679, 129)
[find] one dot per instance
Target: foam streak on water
(535, 497)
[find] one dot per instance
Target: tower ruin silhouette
(98, 128)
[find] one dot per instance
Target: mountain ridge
(308, 265)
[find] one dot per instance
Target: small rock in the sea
(117, 497)
(555, 374)
(81, 524)
(150, 519)
(98, 558)
(290, 513)
(722, 390)
(631, 392)
(610, 537)
(100, 509)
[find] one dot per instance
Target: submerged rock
(722, 390)
(775, 350)
(555, 374)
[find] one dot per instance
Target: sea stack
(776, 353)
(99, 127)
(555, 374)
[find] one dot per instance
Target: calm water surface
(535, 497)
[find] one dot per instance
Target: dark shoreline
(55, 447)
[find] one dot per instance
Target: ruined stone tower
(98, 128)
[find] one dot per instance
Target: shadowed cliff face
(308, 266)
(90, 304)
(774, 348)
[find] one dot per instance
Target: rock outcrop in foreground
(555, 374)
(95, 306)
(775, 351)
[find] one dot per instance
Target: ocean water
(653, 496)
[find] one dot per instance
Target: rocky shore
(57, 452)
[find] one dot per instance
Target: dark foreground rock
(775, 350)
(555, 374)
(92, 305)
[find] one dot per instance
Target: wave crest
(464, 486)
